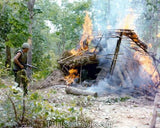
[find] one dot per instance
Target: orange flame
(149, 45)
(144, 60)
(109, 27)
(128, 21)
(86, 38)
(147, 65)
(87, 32)
(73, 73)
(92, 50)
(74, 52)
(158, 35)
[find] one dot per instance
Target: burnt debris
(97, 64)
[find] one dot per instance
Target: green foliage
(46, 65)
(5, 26)
(148, 22)
(3, 71)
(52, 91)
(120, 99)
(67, 21)
(38, 112)
(14, 23)
(82, 101)
(47, 47)
(152, 5)
(2, 85)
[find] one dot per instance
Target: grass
(119, 99)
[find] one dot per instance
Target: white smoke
(110, 14)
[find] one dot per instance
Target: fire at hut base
(132, 72)
(116, 61)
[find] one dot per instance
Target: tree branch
(24, 109)
(14, 108)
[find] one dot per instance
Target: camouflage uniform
(20, 74)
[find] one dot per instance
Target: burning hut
(117, 56)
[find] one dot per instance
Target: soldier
(20, 60)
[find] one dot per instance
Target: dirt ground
(109, 110)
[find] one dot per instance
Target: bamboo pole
(116, 54)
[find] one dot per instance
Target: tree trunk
(76, 91)
(31, 14)
(8, 49)
(8, 57)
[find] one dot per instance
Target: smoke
(110, 13)
(118, 14)
(104, 88)
(115, 14)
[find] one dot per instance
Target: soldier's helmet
(25, 45)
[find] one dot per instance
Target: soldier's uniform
(20, 74)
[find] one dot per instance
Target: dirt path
(118, 112)
(112, 110)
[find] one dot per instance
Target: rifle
(30, 66)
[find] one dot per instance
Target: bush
(4, 72)
(47, 64)
(34, 111)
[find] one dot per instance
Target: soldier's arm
(17, 61)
